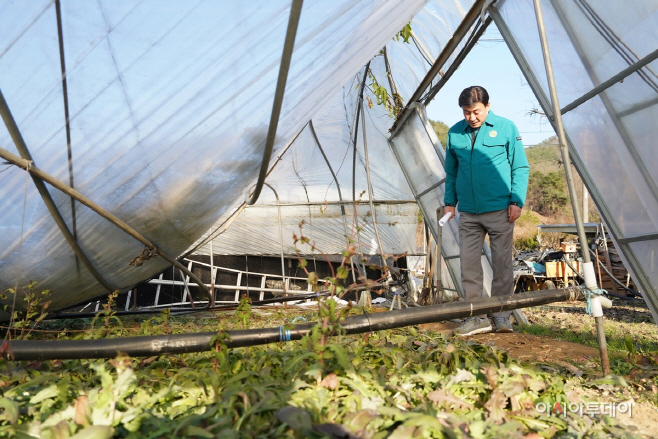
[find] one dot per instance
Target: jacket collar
(490, 121)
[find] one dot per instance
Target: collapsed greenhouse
(213, 148)
(149, 123)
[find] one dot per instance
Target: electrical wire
(614, 41)
(609, 293)
(614, 279)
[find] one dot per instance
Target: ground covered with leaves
(391, 384)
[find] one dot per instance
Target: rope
(147, 253)
(573, 294)
(589, 293)
(284, 334)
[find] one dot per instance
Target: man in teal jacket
(487, 178)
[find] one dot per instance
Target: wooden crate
(556, 269)
(568, 247)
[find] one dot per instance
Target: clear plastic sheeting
(257, 230)
(613, 134)
(582, 59)
(304, 174)
(169, 106)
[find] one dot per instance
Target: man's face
(476, 114)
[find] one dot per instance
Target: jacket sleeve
(450, 196)
(520, 168)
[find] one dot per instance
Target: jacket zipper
(473, 148)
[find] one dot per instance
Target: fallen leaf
(81, 416)
(440, 395)
(361, 420)
(330, 381)
(496, 406)
(570, 367)
(460, 376)
(147, 361)
(10, 412)
(491, 374)
(511, 387)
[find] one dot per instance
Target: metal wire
(615, 42)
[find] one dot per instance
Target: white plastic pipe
(598, 303)
(590, 276)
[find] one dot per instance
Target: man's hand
(514, 212)
(450, 209)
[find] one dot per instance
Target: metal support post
(370, 192)
(212, 275)
(283, 265)
(560, 129)
(603, 347)
(286, 57)
(366, 298)
(588, 269)
(585, 204)
(439, 252)
(473, 40)
(470, 18)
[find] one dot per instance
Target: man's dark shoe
(502, 325)
(473, 325)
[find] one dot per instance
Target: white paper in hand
(444, 219)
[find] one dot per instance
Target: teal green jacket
(492, 174)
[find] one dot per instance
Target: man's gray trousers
(472, 230)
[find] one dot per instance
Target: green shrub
(526, 243)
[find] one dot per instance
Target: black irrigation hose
(614, 279)
(147, 346)
(607, 292)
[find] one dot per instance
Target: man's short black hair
(472, 95)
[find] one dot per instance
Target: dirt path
(527, 347)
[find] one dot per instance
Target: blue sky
(491, 65)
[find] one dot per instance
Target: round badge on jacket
(493, 133)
